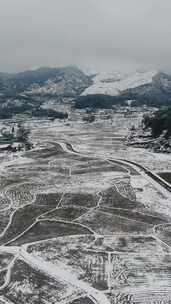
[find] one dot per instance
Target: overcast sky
(101, 34)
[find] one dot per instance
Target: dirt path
(59, 273)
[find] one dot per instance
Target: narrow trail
(160, 184)
(152, 177)
(9, 272)
(60, 273)
(57, 273)
(91, 209)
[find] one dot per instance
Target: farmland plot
(81, 225)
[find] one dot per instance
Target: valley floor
(84, 218)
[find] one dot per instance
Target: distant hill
(27, 92)
(114, 83)
(140, 88)
(69, 81)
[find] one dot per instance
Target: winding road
(59, 273)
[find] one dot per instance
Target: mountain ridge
(28, 91)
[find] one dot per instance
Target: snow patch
(113, 83)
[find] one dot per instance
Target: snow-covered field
(81, 225)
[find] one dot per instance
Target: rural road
(59, 272)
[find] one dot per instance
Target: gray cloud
(96, 33)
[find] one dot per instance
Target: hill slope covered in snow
(114, 83)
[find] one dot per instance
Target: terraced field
(80, 224)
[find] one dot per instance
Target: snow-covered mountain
(113, 83)
(45, 81)
(151, 88)
(26, 92)
(68, 81)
